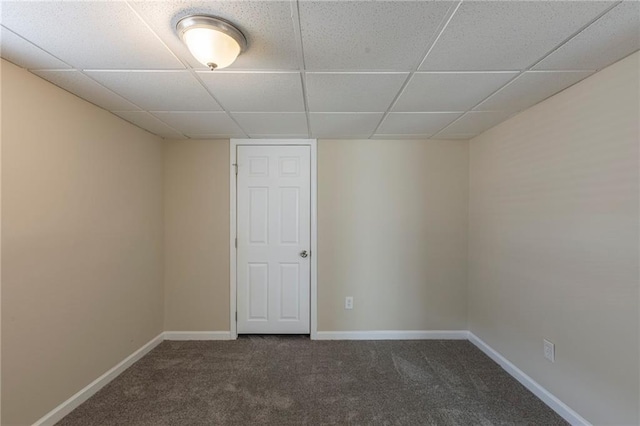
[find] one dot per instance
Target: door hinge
(236, 316)
(236, 167)
(236, 242)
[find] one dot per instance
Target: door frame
(233, 149)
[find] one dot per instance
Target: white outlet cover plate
(348, 302)
(549, 350)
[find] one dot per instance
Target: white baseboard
(88, 391)
(197, 335)
(393, 335)
(547, 397)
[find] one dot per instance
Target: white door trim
(234, 143)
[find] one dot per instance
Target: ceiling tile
(256, 92)
(449, 91)
(416, 123)
(352, 92)
(15, 49)
(358, 53)
(529, 89)
(610, 38)
(474, 122)
(405, 136)
(84, 87)
(356, 35)
(149, 122)
(216, 124)
(159, 90)
(507, 35)
(89, 34)
(457, 136)
(286, 136)
(272, 123)
(267, 25)
(338, 125)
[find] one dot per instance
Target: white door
(274, 230)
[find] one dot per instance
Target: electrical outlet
(549, 350)
(348, 302)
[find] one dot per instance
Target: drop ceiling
(326, 69)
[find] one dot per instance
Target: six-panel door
(274, 228)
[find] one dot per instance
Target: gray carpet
(293, 380)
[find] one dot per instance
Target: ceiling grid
(521, 72)
(314, 68)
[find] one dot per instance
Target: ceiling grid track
(529, 68)
(81, 71)
(443, 24)
(124, 57)
(170, 51)
(197, 77)
(193, 73)
(297, 30)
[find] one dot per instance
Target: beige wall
(553, 242)
(197, 235)
(81, 243)
(549, 201)
(392, 233)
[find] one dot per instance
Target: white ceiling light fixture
(213, 41)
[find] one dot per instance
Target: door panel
(274, 227)
(289, 215)
(259, 215)
(258, 291)
(289, 291)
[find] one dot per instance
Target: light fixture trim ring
(207, 21)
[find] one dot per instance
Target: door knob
(304, 254)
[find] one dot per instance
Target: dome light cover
(214, 42)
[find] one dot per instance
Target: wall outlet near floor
(348, 302)
(549, 350)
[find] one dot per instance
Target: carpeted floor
(293, 380)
